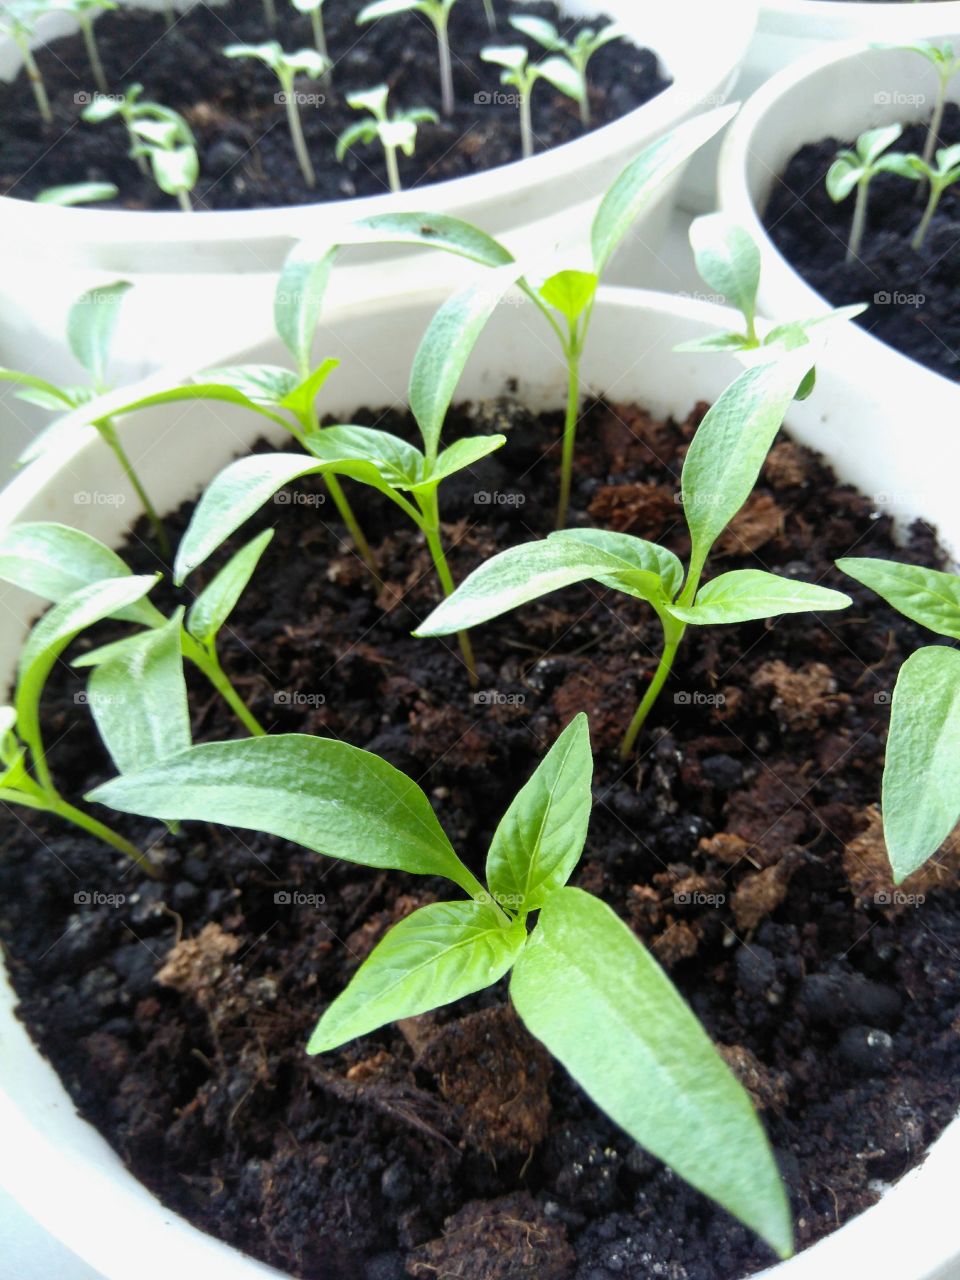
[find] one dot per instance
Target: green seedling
(17, 23)
(76, 193)
(921, 774)
(728, 260)
(86, 13)
(438, 13)
(579, 978)
(54, 561)
(171, 150)
(946, 64)
(91, 324)
(315, 10)
(938, 177)
(130, 108)
(519, 73)
(855, 170)
(719, 472)
(286, 67)
(577, 51)
(396, 132)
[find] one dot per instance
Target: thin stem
(353, 526)
(93, 54)
(110, 435)
(183, 200)
(113, 838)
(936, 120)
(663, 670)
(169, 15)
(569, 428)
(446, 66)
(319, 35)
(431, 528)
(393, 170)
(270, 14)
(491, 16)
(36, 83)
(526, 121)
(859, 219)
(936, 191)
(296, 132)
(205, 658)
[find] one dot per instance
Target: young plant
(286, 67)
(438, 13)
(719, 472)
(855, 170)
(171, 149)
(86, 13)
(130, 108)
(946, 64)
(579, 978)
(315, 10)
(17, 23)
(76, 193)
(396, 132)
(938, 177)
(53, 561)
(577, 51)
(921, 775)
(521, 74)
(91, 323)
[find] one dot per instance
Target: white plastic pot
(839, 93)
(61, 1170)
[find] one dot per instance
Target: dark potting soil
(742, 844)
(913, 294)
(246, 155)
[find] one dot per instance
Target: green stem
(113, 838)
(296, 133)
(936, 190)
(36, 83)
(93, 54)
(183, 200)
(936, 120)
(393, 169)
(446, 66)
(431, 528)
(270, 14)
(663, 670)
(110, 435)
(491, 16)
(353, 526)
(207, 661)
(569, 429)
(319, 36)
(859, 219)
(526, 120)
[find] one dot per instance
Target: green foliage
(854, 171)
(577, 51)
(397, 132)
(438, 13)
(17, 19)
(168, 145)
(286, 67)
(76, 193)
(518, 72)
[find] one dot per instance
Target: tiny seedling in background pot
(946, 64)
(130, 107)
(86, 13)
(855, 170)
(577, 51)
(396, 132)
(171, 150)
(940, 175)
(17, 23)
(519, 73)
(438, 13)
(315, 9)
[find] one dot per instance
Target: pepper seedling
(130, 108)
(938, 177)
(86, 13)
(315, 10)
(580, 979)
(720, 470)
(946, 64)
(519, 73)
(577, 51)
(286, 67)
(91, 324)
(438, 13)
(17, 23)
(396, 132)
(855, 170)
(921, 774)
(171, 149)
(76, 193)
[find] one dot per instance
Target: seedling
(86, 13)
(131, 108)
(17, 23)
(577, 51)
(521, 74)
(396, 132)
(170, 147)
(921, 775)
(91, 324)
(438, 12)
(719, 471)
(75, 193)
(315, 10)
(939, 176)
(286, 67)
(855, 170)
(579, 978)
(946, 64)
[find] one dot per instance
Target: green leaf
(921, 777)
(386, 9)
(446, 347)
(538, 29)
(842, 176)
(927, 596)
(320, 793)
(217, 600)
(91, 324)
(298, 301)
(731, 444)
(728, 260)
(602, 1005)
(643, 179)
(564, 76)
(570, 292)
(58, 396)
(398, 464)
(460, 455)
(54, 561)
(745, 594)
(176, 170)
(438, 954)
(718, 342)
(874, 141)
(436, 231)
(360, 131)
(74, 193)
(263, 384)
(639, 558)
(300, 400)
(202, 391)
(541, 836)
(139, 699)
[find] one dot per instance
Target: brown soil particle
(506, 1239)
(871, 881)
(801, 699)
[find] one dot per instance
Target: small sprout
(519, 73)
(17, 22)
(438, 12)
(315, 10)
(169, 145)
(397, 132)
(921, 774)
(75, 193)
(856, 169)
(131, 108)
(938, 176)
(577, 51)
(286, 67)
(946, 64)
(86, 12)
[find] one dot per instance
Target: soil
(742, 845)
(913, 293)
(246, 154)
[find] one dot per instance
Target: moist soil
(742, 845)
(246, 154)
(912, 292)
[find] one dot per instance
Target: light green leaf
(438, 954)
(639, 557)
(177, 170)
(545, 33)
(300, 400)
(264, 384)
(320, 793)
(58, 397)
(921, 777)
(927, 596)
(728, 260)
(541, 836)
(436, 231)
(602, 1005)
(718, 342)
(745, 594)
(74, 193)
(218, 599)
(386, 9)
(202, 391)
(460, 455)
(91, 324)
(564, 76)
(298, 301)
(570, 292)
(875, 141)
(398, 464)
(842, 176)
(360, 131)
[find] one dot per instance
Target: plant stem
(859, 219)
(36, 83)
(93, 53)
(932, 201)
(319, 36)
(569, 429)
(183, 200)
(113, 838)
(296, 133)
(526, 122)
(270, 14)
(393, 170)
(110, 435)
(169, 15)
(649, 698)
(431, 528)
(936, 120)
(353, 525)
(491, 16)
(207, 661)
(446, 66)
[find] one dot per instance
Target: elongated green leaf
(298, 301)
(91, 324)
(601, 1004)
(540, 838)
(58, 396)
(745, 594)
(386, 9)
(435, 231)
(642, 180)
(360, 131)
(265, 384)
(217, 600)
(570, 292)
(139, 699)
(54, 560)
(203, 391)
(927, 596)
(438, 954)
(563, 75)
(400, 464)
(74, 193)
(446, 347)
(718, 342)
(461, 454)
(638, 556)
(105, 652)
(731, 444)
(842, 176)
(921, 777)
(728, 260)
(300, 400)
(325, 795)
